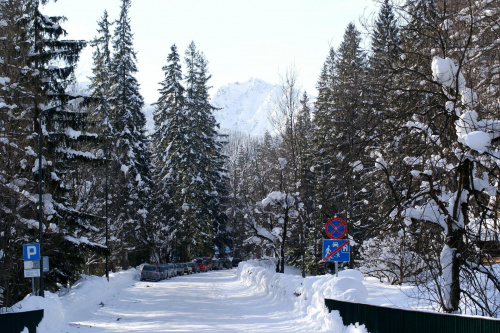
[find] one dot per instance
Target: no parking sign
(336, 228)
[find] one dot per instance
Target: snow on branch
(277, 197)
(82, 240)
(471, 132)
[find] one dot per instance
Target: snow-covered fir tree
(308, 225)
(323, 136)
(37, 67)
(169, 142)
(130, 155)
(395, 264)
(101, 122)
(100, 86)
(189, 158)
(347, 129)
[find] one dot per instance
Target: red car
(202, 264)
(208, 263)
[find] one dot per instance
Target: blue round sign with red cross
(336, 228)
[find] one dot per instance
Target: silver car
(179, 268)
(171, 270)
(150, 272)
(164, 271)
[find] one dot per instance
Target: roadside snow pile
(86, 293)
(308, 294)
(53, 317)
(82, 297)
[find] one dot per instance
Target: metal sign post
(336, 249)
(33, 266)
(31, 256)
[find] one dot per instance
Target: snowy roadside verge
(307, 295)
(83, 296)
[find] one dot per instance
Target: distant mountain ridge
(245, 106)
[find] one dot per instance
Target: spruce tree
(210, 143)
(386, 150)
(100, 81)
(323, 135)
(37, 68)
(101, 122)
(169, 141)
(131, 159)
(190, 158)
(308, 226)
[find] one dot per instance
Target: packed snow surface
(251, 298)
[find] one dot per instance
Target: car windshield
(149, 268)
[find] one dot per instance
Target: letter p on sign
(31, 252)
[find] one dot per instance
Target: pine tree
(323, 135)
(100, 82)
(322, 159)
(131, 156)
(37, 68)
(351, 122)
(169, 144)
(192, 159)
(100, 116)
(211, 158)
(386, 151)
(308, 228)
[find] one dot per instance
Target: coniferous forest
(401, 142)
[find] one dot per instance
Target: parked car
(236, 261)
(171, 270)
(216, 264)
(150, 272)
(179, 269)
(187, 269)
(226, 263)
(208, 263)
(194, 267)
(163, 271)
(202, 264)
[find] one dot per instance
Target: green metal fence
(15, 322)
(379, 319)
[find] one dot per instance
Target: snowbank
(82, 297)
(53, 317)
(307, 295)
(86, 293)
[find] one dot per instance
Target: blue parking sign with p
(31, 252)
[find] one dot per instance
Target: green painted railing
(379, 319)
(16, 322)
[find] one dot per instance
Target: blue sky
(240, 38)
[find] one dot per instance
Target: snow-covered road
(208, 302)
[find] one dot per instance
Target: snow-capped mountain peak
(245, 106)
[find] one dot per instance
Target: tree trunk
(283, 242)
